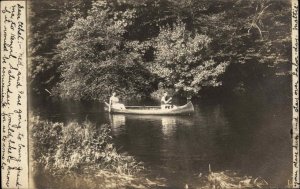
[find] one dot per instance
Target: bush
(60, 147)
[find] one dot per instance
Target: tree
(50, 21)
(181, 61)
(97, 59)
(253, 36)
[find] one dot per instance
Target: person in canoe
(114, 102)
(166, 102)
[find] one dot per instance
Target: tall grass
(77, 147)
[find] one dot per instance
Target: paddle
(109, 107)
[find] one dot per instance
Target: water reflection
(116, 122)
(234, 135)
(168, 125)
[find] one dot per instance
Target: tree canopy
(85, 49)
(96, 58)
(181, 59)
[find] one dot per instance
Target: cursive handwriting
(14, 145)
(295, 13)
(295, 76)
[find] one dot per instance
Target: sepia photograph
(159, 94)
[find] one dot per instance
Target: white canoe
(155, 110)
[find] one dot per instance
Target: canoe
(154, 110)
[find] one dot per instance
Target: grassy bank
(82, 151)
(74, 146)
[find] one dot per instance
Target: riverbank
(66, 151)
(73, 155)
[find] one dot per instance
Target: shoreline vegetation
(62, 150)
(86, 49)
(81, 155)
(72, 146)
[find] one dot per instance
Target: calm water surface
(249, 137)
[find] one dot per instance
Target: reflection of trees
(258, 136)
(182, 146)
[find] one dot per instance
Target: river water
(247, 136)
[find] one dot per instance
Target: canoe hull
(178, 110)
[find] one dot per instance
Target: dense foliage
(86, 49)
(97, 59)
(62, 147)
(181, 60)
(50, 23)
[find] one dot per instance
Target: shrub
(74, 146)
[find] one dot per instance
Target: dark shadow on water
(248, 136)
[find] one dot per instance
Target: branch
(256, 19)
